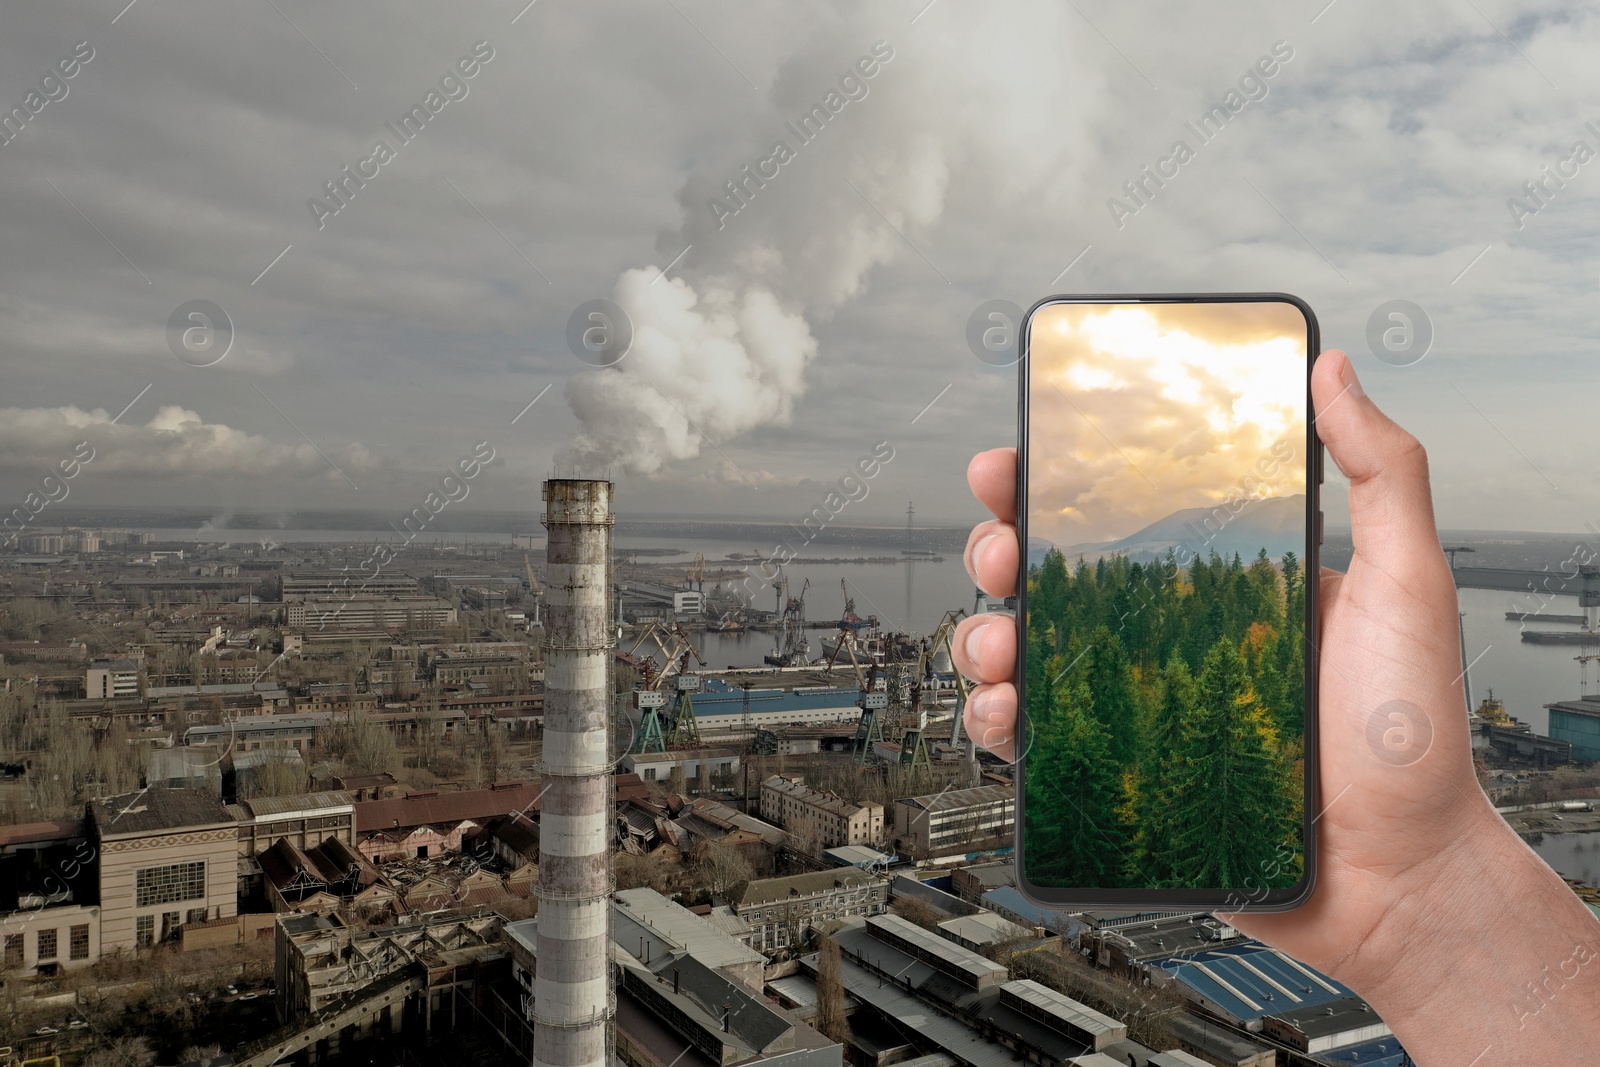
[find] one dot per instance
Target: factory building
(335, 585)
(783, 911)
(258, 732)
(652, 927)
(49, 919)
(716, 763)
(946, 1005)
(166, 857)
(319, 961)
(1326, 1027)
(787, 801)
(111, 678)
(1127, 946)
(687, 992)
(1577, 722)
(305, 821)
(955, 821)
(1245, 984)
(370, 612)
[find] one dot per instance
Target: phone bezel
(1224, 900)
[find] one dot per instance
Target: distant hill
(1037, 548)
(1276, 524)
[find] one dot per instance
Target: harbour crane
(793, 648)
(675, 648)
(933, 658)
(873, 702)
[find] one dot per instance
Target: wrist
(1443, 944)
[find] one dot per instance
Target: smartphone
(1168, 471)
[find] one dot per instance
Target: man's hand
(1403, 827)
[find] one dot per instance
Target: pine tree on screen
(1230, 806)
(1151, 806)
(1073, 835)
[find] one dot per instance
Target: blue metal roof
(718, 697)
(1251, 980)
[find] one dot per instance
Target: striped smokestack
(572, 998)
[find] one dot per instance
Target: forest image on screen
(1165, 602)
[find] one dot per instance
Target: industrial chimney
(572, 998)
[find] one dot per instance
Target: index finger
(993, 477)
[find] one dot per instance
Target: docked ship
(873, 645)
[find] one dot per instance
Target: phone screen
(1168, 510)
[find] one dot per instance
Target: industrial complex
(499, 804)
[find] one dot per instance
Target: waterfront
(1573, 855)
(1526, 676)
(914, 596)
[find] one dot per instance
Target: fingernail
(974, 639)
(974, 555)
(982, 705)
(1351, 382)
(995, 737)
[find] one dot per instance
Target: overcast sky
(375, 346)
(1205, 402)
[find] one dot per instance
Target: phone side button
(1319, 526)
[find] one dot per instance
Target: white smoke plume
(713, 363)
(722, 346)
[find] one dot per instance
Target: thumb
(1391, 505)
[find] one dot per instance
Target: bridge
(1537, 591)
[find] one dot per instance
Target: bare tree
(653, 870)
(275, 776)
(919, 911)
(121, 1052)
(807, 834)
(830, 1019)
(723, 869)
(362, 745)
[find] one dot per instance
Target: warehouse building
(955, 821)
(1326, 1027)
(952, 1006)
(1577, 722)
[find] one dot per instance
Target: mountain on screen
(1277, 524)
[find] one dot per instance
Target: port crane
(914, 739)
(657, 727)
(695, 578)
(793, 648)
(873, 702)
